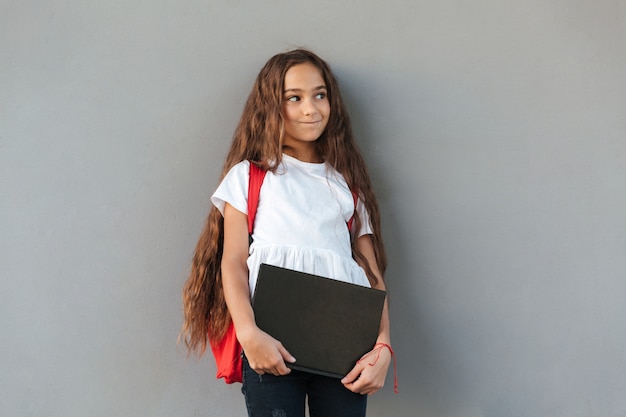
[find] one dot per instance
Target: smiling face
(305, 106)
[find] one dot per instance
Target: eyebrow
(297, 90)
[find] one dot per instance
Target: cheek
(288, 114)
(325, 110)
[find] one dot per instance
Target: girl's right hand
(264, 353)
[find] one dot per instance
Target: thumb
(352, 376)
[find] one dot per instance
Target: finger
(363, 384)
(356, 388)
(368, 388)
(280, 370)
(287, 357)
(258, 371)
(360, 388)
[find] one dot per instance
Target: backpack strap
(257, 175)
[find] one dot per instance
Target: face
(305, 105)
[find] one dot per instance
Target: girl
(294, 126)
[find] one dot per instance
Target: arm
(365, 378)
(264, 353)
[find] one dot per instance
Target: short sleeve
(233, 189)
(366, 226)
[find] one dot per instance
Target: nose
(309, 108)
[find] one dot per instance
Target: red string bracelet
(380, 346)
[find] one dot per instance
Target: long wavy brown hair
(259, 138)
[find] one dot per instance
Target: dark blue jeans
(284, 396)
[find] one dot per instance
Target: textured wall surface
(496, 139)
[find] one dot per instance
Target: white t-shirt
(300, 221)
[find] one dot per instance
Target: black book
(327, 325)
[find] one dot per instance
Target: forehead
(303, 76)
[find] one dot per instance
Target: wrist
(246, 332)
(382, 346)
(383, 339)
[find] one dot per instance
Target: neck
(308, 154)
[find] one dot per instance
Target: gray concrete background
(495, 133)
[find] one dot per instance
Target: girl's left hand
(369, 373)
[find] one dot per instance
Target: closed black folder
(327, 325)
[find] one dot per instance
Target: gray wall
(495, 134)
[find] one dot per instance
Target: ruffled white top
(301, 219)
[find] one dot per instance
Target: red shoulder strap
(257, 175)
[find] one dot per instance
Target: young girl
(294, 126)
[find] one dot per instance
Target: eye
(293, 98)
(320, 96)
